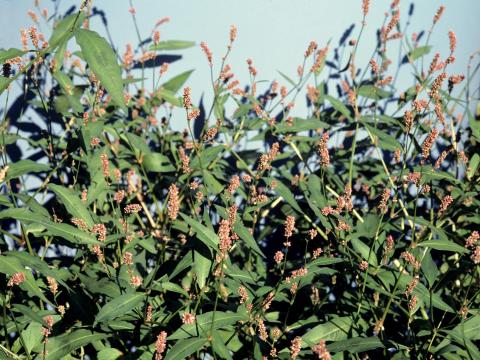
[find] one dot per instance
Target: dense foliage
(349, 232)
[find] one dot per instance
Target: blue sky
(274, 33)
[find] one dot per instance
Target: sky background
(274, 33)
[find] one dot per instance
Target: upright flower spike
(323, 150)
(233, 33)
(408, 120)
(384, 200)
(132, 208)
(173, 205)
(289, 226)
(207, 52)
(160, 345)
(105, 165)
(187, 101)
(438, 14)
(320, 349)
(365, 7)
(446, 202)
(52, 285)
(311, 48)
(188, 318)
(16, 279)
(156, 37)
(295, 347)
(453, 41)
(428, 143)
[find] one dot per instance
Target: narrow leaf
(185, 348)
(206, 235)
(443, 245)
(173, 45)
(102, 61)
(73, 203)
(119, 306)
(60, 346)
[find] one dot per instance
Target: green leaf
(241, 275)
(201, 267)
(333, 330)
(429, 268)
(473, 165)
(10, 54)
(218, 345)
(314, 186)
(204, 323)
(204, 234)
(287, 78)
(213, 185)
(4, 83)
(418, 53)
(64, 81)
(468, 345)
(36, 264)
(119, 306)
(245, 235)
(10, 266)
(373, 92)
(282, 190)
(173, 45)
(185, 348)
(324, 261)
(181, 265)
(207, 156)
(23, 167)
(472, 120)
(29, 313)
(68, 88)
(339, 106)
(72, 202)
(102, 61)
(9, 138)
(176, 83)
(429, 174)
(422, 292)
(443, 245)
(60, 346)
(170, 97)
(109, 354)
(64, 231)
(365, 252)
(156, 162)
(65, 28)
(385, 141)
(32, 336)
(470, 330)
(299, 125)
(356, 345)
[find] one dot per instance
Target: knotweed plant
(254, 233)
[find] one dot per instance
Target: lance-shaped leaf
(184, 348)
(73, 203)
(10, 266)
(172, 45)
(64, 29)
(102, 61)
(10, 54)
(206, 235)
(204, 323)
(65, 231)
(119, 306)
(60, 346)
